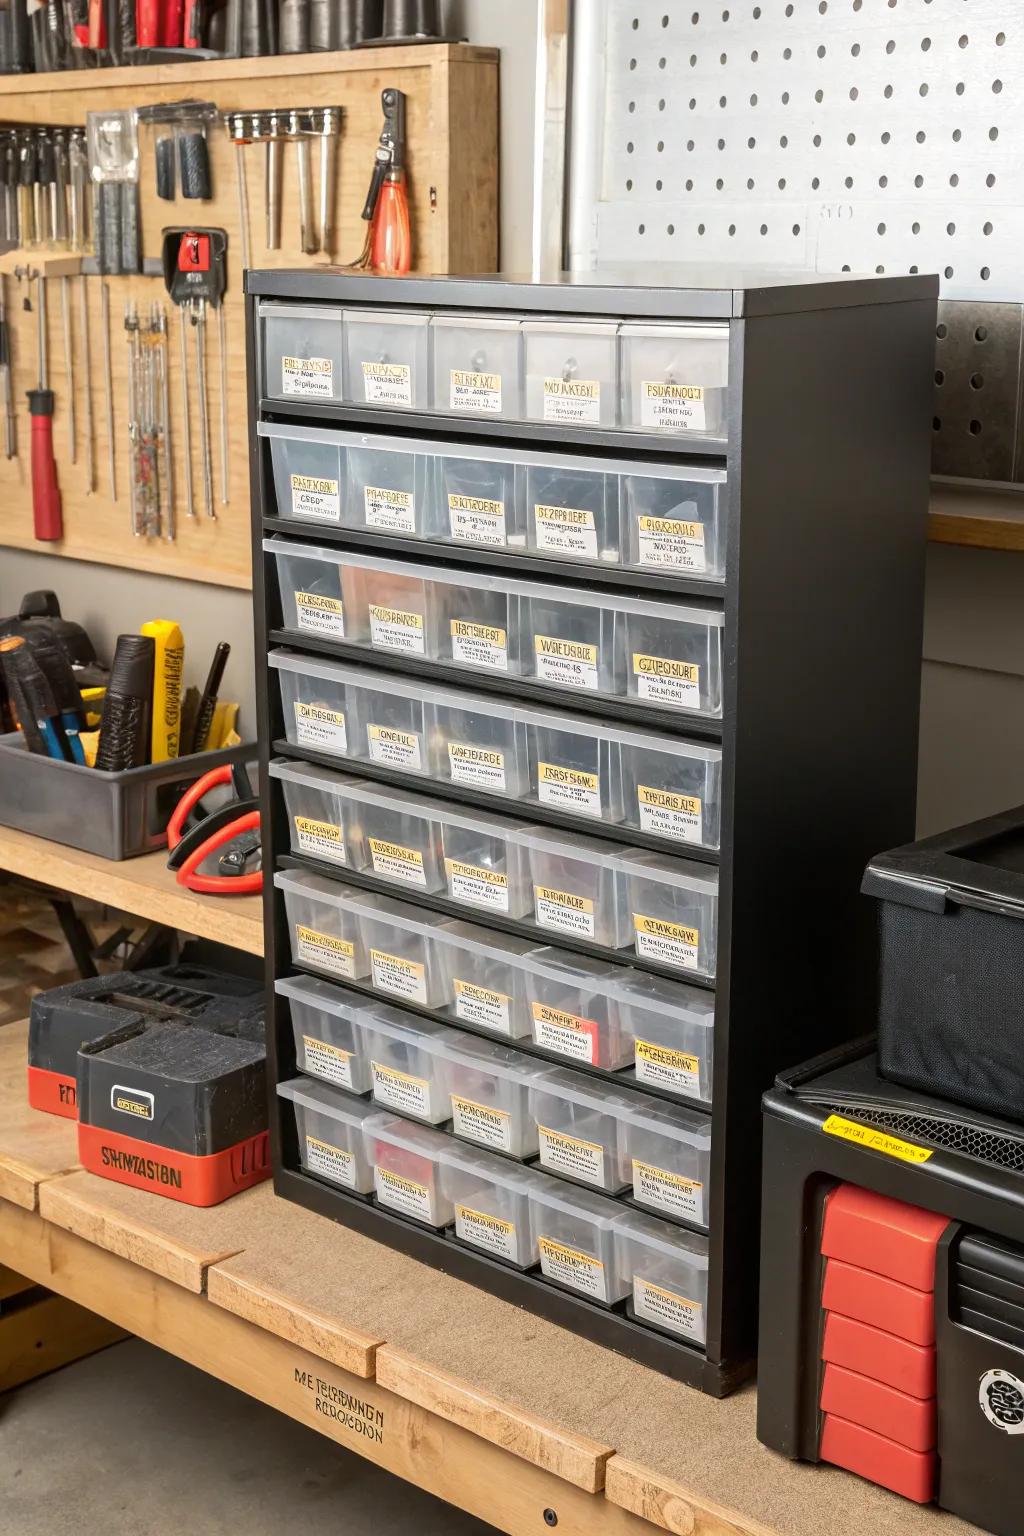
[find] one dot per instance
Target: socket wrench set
(531, 796)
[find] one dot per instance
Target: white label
(316, 499)
(387, 383)
(318, 727)
(479, 645)
(480, 1123)
(475, 886)
(476, 519)
(568, 1266)
(570, 663)
(406, 978)
(576, 401)
(321, 838)
(393, 629)
(678, 1071)
(564, 911)
(566, 1033)
(393, 510)
(566, 530)
(400, 1091)
(327, 1061)
(671, 543)
(666, 814)
(325, 951)
(320, 615)
(668, 1191)
(309, 376)
(405, 1195)
(671, 943)
(582, 1160)
(481, 1006)
(331, 1162)
(479, 392)
(487, 1232)
(393, 862)
(676, 407)
(482, 767)
(569, 788)
(664, 681)
(667, 1310)
(398, 749)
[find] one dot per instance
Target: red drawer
(882, 1235)
(882, 1356)
(876, 1299)
(882, 1461)
(910, 1421)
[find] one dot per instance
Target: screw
(550, 1518)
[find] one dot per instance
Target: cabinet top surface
(641, 292)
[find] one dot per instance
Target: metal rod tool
(69, 365)
(108, 380)
(83, 314)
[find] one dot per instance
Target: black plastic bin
(116, 815)
(951, 983)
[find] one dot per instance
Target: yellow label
(326, 950)
(398, 749)
(483, 504)
(570, 1141)
(323, 831)
(564, 910)
(573, 389)
(566, 650)
(462, 379)
(670, 943)
(474, 872)
(396, 862)
(322, 365)
(661, 1056)
(672, 526)
(660, 930)
(462, 629)
(568, 1256)
(563, 898)
(318, 712)
(387, 383)
(874, 1140)
(396, 616)
(142, 1109)
(479, 1005)
(506, 1228)
(322, 838)
(482, 1123)
(565, 516)
(327, 940)
(658, 391)
(551, 773)
(393, 973)
(545, 1015)
(387, 733)
(397, 1182)
(663, 666)
(316, 600)
(313, 483)
(311, 1042)
(665, 800)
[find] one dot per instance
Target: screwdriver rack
(452, 107)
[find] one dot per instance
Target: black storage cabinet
(826, 446)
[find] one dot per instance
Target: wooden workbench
(480, 1403)
(143, 887)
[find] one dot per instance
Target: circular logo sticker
(1001, 1397)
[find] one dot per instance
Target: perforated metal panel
(864, 135)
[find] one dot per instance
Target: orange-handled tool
(388, 246)
(46, 506)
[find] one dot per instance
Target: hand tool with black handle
(46, 504)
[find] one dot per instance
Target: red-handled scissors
(236, 823)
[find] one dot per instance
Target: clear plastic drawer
(309, 473)
(325, 933)
(672, 790)
(673, 657)
(477, 500)
(572, 512)
(403, 957)
(490, 984)
(577, 888)
(673, 907)
(674, 520)
(575, 1239)
(320, 594)
(580, 1130)
(407, 1162)
(318, 705)
(386, 358)
(389, 490)
(665, 1272)
(329, 1040)
(332, 1133)
(320, 822)
(575, 640)
(674, 377)
(301, 351)
(490, 1087)
(669, 1154)
(491, 1200)
(477, 365)
(672, 1027)
(571, 372)
(409, 1063)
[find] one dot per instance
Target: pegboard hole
(632, 106)
(977, 381)
(816, 141)
(997, 86)
(700, 229)
(936, 423)
(993, 134)
(822, 50)
(796, 229)
(630, 147)
(957, 135)
(975, 428)
(1000, 39)
(985, 274)
(854, 93)
(783, 142)
(753, 100)
(954, 180)
(670, 229)
(886, 136)
(920, 135)
(764, 229)
(632, 63)
(754, 56)
(815, 183)
(689, 186)
(922, 89)
(732, 229)
(960, 87)
(848, 183)
(785, 98)
(782, 183)
(887, 93)
(947, 272)
(855, 51)
(661, 105)
(890, 46)
(661, 146)
(883, 181)
(819, 95)
(951, 228)
(986, 229)
(641, 229)
(963, 40)
(851, 138)
(926, 43)
(636, 22)
(751, 143)
(881, 229)
(719, 184)
(918, 181)
(915, 228)
(693, 103)
(981, 334)
(750, 183)
(658, 184)
(942, 331)
(879, 270)
(990, 180)
(787, 53)
(940, 377)
(629, 185)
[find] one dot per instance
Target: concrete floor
(132, 1442)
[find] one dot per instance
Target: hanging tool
(222, 347)
(69, 366)
(272, 191)
(195, 275)
(26, 190)
(6, 396)
(297, 131)
(83, 311)
(150, 478)
(239, 127)
(46, 505)
(59, 191)
(388, 245)
(43, 183)
(108, 379)
(186, 412)
(78, 179)
(327, 123)
(9, 164)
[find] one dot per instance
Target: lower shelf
(611, 1329)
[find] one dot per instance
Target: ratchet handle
(46, 507)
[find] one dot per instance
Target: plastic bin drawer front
(672, 795)
(320, 595)
(571, 372)
(489, 1086)
(575, 1237)
(320, 710)
(329, 1039)
(324, 936)
(404, 964)
(408, 1064)
(386, 358)
(576, 891)
(674, 917)
(302, 352)
(579, 1131)
(479, 749)
(331, 1132)
(477, 366)
(309, 474)
(674, 523)
(572, 513)
(674, 377)
(389, 491)
(669, 1152)
(672, 1027)
(491, 1201)
(478, 503)
(321, 823)
(408, 1161)
(674, 660)
(665, 1272)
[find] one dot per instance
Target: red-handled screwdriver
(46, 508)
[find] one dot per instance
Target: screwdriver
(46, 507)
(6, 399)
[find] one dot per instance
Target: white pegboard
(870, 135)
